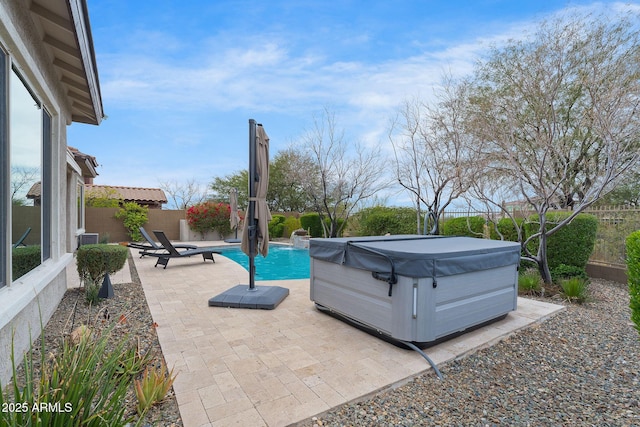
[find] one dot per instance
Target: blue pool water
(282, 262)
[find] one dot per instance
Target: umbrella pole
(253, 235)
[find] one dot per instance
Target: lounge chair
(151, 246)
(20, 241)
(172, 252)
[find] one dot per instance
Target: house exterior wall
(28, 302)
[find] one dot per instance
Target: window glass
(25, 140)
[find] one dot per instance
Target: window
(4, 168)
(28, 191)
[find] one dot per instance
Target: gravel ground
(579, 368)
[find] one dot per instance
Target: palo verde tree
(558, 117)
(343, 175)
(434, 157)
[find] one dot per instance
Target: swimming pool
(282, 262)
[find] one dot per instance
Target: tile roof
(133, 194)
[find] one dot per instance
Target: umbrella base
(240, 296)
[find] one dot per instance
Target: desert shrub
(133, 217)
(210, 216)
(85, 379)
(529, 282)
(276, 226)
(24, 259)
(379, 220)
(290, 225)
(575, 289)
(471, 226)
(571, 245)
(311, 223)
(633, 274)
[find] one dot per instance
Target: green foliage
(276, 226)
(572, 244)
(564, 271)
(133, 216)
(221, 187)
(153, 387)
(102, 198)
(575, 289)
(529, 282)
(380, 220)
(24, 259)
(79, 386)
(311, 222)
(507, 229)
(633, 275)
(94, 262)
(290, 225)
(210, 216)
(471, 226)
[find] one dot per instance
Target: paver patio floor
(277, 367)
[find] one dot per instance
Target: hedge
(24, 259)
(311, 223)
(507, 229)
(276, 226)
(572, 244)
(94, 261)
(633, 274)
(380, 220)
(471, 226)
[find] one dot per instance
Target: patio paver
(282, 366)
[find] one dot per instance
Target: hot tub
(411, 288)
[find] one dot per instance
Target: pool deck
(243, 367)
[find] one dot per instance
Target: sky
(181, 79)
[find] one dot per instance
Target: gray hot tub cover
(416, 255)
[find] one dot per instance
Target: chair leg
(208, 255)
(162, 261)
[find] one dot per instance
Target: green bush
(507, 229)
(529, 282)
(276, 226)
(471, 226)
(575, 289)
(564, 271)
(291, 224)
(572, 245)
(380, 220)
(633, 274)
(94, 262)
(24, 259)
(311, 223)
(133, 217)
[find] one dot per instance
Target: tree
(627, 193)
(104, 197)
(558, 114)
(185, 194)
(433, 156)
(286, 191)
(345, 178)
(22, 178)
(222, 187)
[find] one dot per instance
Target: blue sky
(181, 79)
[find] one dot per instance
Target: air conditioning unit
(88, 239)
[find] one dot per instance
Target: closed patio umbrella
(234, 218)
(255, 231)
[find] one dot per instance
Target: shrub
(94, 262)
(153, 387)
(83, 378)
(276, 226)
(24, 259)
(564, 271)
(133, 217)
(311, 223)
(571, 245)
(291, 224)
(529, 282)
(633, 274)
(379, 220)
(575, 289)
(210, 216)
(507, 229)
(471, 226)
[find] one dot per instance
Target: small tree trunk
(543, 264)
